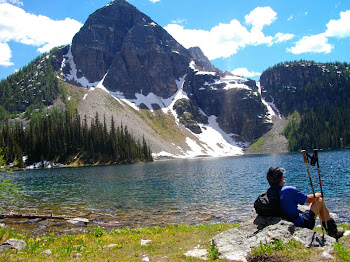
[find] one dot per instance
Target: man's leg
(320, 209)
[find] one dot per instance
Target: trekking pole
(319, 179)
(312, 187)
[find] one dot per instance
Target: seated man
(290, 197)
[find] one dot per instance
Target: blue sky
(244, 37)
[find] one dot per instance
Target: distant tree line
(64, 137)
(323, 127)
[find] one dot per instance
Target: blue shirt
(290, 198)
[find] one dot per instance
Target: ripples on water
(178, 191)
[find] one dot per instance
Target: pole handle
(305, 156)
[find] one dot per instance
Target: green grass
(292, 250)
(295, 251)
(342, 253)
(258, 145)
(167, 243)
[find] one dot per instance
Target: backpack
(268, 203)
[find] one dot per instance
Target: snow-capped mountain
(129, 56)
(124, 52)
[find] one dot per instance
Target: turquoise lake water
(206, 190)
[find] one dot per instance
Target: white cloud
(319, 43)
(312, 44)
(245, 72)
(5, 54)
(40, 31)
(154, 1)
(225, 40)
(280, 37)
(339, 28)
(260, 17)
(179, 21)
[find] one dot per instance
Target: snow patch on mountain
(272, 110)
(72, 76)
(213, 141)
(228, 81)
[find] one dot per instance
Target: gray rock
(15, 244)
(47, 252)
(4, 248)
(197, 253)
(77, 255)
(111, 246)
(237, 243)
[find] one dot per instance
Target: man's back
(290, 198)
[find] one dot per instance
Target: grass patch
(163, 124)
(278, 251)
(295, 251)
(258, 145)
(345, 226)
(167, 244)
(343, 254)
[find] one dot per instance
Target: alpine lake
(170, 192)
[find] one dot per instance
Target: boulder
(237, 243)
(197, 253)
(13, 244)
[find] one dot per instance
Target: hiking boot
(332, 230)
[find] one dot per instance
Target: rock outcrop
(13, 244)
(201, 59)
(237, 243)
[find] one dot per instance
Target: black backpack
(268, 203)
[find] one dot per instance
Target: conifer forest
(63, 137)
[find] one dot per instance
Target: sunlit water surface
(196, 191)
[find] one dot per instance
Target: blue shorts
(308, 219)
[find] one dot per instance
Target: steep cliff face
(129, 51)
(235, 101)
(303, 85)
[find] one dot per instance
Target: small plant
(268, 248)
(342, 253)
(213, 252)
(2, 233)
(33, 245)
(345, 226)
(96, 231)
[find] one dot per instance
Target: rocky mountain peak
(201, 59)
(128, 51)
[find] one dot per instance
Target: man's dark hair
(274, 175)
